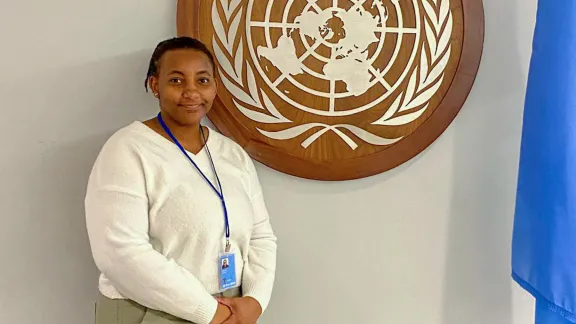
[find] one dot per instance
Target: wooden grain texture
(187, 18)
(330, 158)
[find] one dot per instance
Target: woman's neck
(189, 136)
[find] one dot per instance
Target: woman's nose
(191, 92)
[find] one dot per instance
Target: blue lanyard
(219, 192)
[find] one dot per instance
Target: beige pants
(123, 311)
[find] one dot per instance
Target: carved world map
(348, 61)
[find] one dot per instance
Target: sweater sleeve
(259, 271)
(116, 206)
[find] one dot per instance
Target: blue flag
(544, 237)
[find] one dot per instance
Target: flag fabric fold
(544, 234)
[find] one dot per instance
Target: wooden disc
(337, 89)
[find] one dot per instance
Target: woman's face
(185, 85)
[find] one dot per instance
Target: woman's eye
(204, 80)
(175, 80)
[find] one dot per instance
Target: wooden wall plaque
(337, 89)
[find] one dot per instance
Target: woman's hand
(223, 313)
(245, 310)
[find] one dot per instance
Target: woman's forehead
(185, 61)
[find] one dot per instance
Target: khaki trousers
(124, 311)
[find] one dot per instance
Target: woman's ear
(153, 84)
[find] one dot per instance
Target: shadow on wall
(477, 275)
(50, 144)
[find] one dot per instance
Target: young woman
(170, 201)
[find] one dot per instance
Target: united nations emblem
(337, 89)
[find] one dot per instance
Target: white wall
(426, 243)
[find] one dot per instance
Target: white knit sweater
(156, 228)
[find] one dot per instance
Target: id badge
(227, 266)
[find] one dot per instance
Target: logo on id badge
(227, 267)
